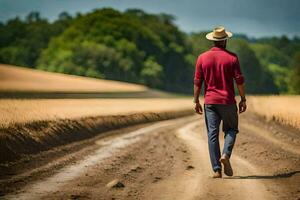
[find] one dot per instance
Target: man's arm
(241, 89)
(239, 79)
(198, 108)
(242, 104)
(196, 93)
(198, 79)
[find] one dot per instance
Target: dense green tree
(285, 45)
(21, 41)
(139, 47)
(152, 73)
(269, 54)
(275, 62)
(258, 79)
(295, 78)
(199, 43)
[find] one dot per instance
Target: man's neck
(220, 46)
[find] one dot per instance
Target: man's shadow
(277, 176)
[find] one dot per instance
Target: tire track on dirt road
(167, 160)
(106, 149)
(199, 185)
(268, 136)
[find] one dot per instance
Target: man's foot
(227, 166)
(217, 174)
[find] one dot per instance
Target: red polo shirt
(217, 68)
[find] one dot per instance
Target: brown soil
(21, 139)
(163, 160)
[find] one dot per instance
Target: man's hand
(242, 106)
(198, 108)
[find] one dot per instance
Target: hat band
(220, 37)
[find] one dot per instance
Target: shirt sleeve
(238, 76)
(198, 76)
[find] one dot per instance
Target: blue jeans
(214, 114)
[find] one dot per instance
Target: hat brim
(210, 36)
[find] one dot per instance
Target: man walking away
(218, 68)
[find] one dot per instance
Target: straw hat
(219, 33)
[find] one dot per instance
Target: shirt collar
(217, 49)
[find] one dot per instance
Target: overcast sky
(255, 18)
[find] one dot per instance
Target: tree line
(138, 47)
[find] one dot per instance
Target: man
(218, 69)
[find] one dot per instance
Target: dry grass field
(72, 109)
(36, 119)
(23, 79)
(282, 109)
(26, 111)
(23, 111)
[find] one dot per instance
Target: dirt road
(162, 160)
